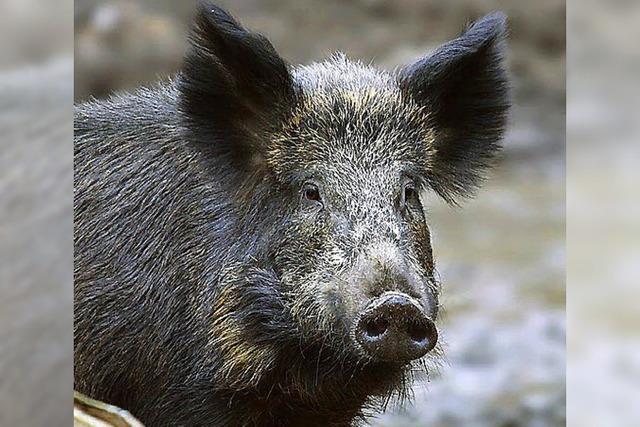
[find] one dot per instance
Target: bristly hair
(465, 88)
(233, 83)
(203, 289)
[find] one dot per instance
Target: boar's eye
(410, 196)
(311, 192)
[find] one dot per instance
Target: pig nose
(394, 328)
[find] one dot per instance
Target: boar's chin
(351, 366)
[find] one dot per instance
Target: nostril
(376, 327)
(394, 328)
(417, 331)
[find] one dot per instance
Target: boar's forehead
(351, 120)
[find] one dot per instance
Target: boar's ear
(463, 87)
(233, 83)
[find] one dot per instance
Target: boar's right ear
(233, 84)
(464, 89)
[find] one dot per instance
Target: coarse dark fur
(231, 224)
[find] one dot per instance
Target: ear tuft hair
(464, 87)
(232, 80)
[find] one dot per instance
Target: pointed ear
(233, 84)
(464, 88)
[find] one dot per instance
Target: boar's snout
(394, 328)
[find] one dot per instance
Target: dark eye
(410, 195)
(311, 192)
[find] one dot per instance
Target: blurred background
(603, 207)
(501, 257)
(36, 215)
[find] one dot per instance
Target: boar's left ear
(233, 83)
(463, 87)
